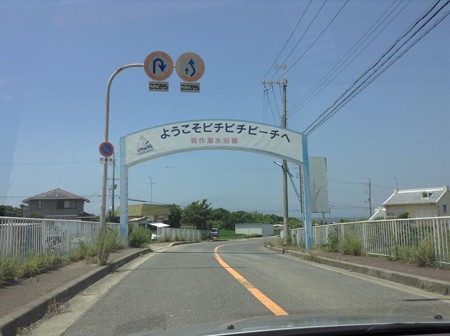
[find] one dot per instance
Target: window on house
(444, 208)
(426, 194)
(66, 204)
(39, 205)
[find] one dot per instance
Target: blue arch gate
(169, 139)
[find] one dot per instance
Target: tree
(111, 218)
(294, 223)
(9, 211)
(223, 219)
(198, 214)
(241, 217)
(175, 216)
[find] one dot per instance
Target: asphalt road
(186, 285)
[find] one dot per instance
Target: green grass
(12, 268)
(230, 234)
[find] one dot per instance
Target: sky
(56, 58)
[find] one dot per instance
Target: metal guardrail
(21, 236)
(387, 237)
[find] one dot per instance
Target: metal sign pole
(123, 193)
(105, 162)
(307, 196)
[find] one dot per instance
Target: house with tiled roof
(57, 204)
(418, 203)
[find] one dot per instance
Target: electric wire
(276, 102)
(352, 53)
(264, 106)
(316, 39)
(301, 37)
(271, 109)
(290, 36)
(377, 68)
(368, 81)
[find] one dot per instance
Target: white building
(254, 228)
(418, 203)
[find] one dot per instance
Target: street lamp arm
(108, 90)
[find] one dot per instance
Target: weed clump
(140, 237)
(332, 244)
(424, 253)
(351, 245)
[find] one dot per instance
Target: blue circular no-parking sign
(106, 149)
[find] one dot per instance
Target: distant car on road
(213, 233)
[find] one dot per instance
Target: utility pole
(151, 189)
(113, 183)
(285, 168)
(370, 199)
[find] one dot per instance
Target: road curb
(428, 284)
(36, 309)
(183, 243)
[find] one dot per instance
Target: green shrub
(424, 254)
(29, 267)
(11, 268)
(351, 245)
(332, 244)
(34, 264)
(165, 239)
(268, 243)
(402, 254)
(140, 237)
(256, 235)
(8, 270)
(79, 253)
(105, 244)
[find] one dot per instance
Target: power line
(271, 109)
(368, 81)
(290, 36)
(336, 205)
(213, 167)
(345, 61)
(317, 38)
(301, 37)
(48, 163)
(345, 182)
(341, 181)
(264, 106)
(377, 68)
(275, 100)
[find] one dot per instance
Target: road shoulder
(432, 280)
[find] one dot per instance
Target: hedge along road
(186, 285)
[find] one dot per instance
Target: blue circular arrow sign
(106, 149)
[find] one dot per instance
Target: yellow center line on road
(268, 303)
